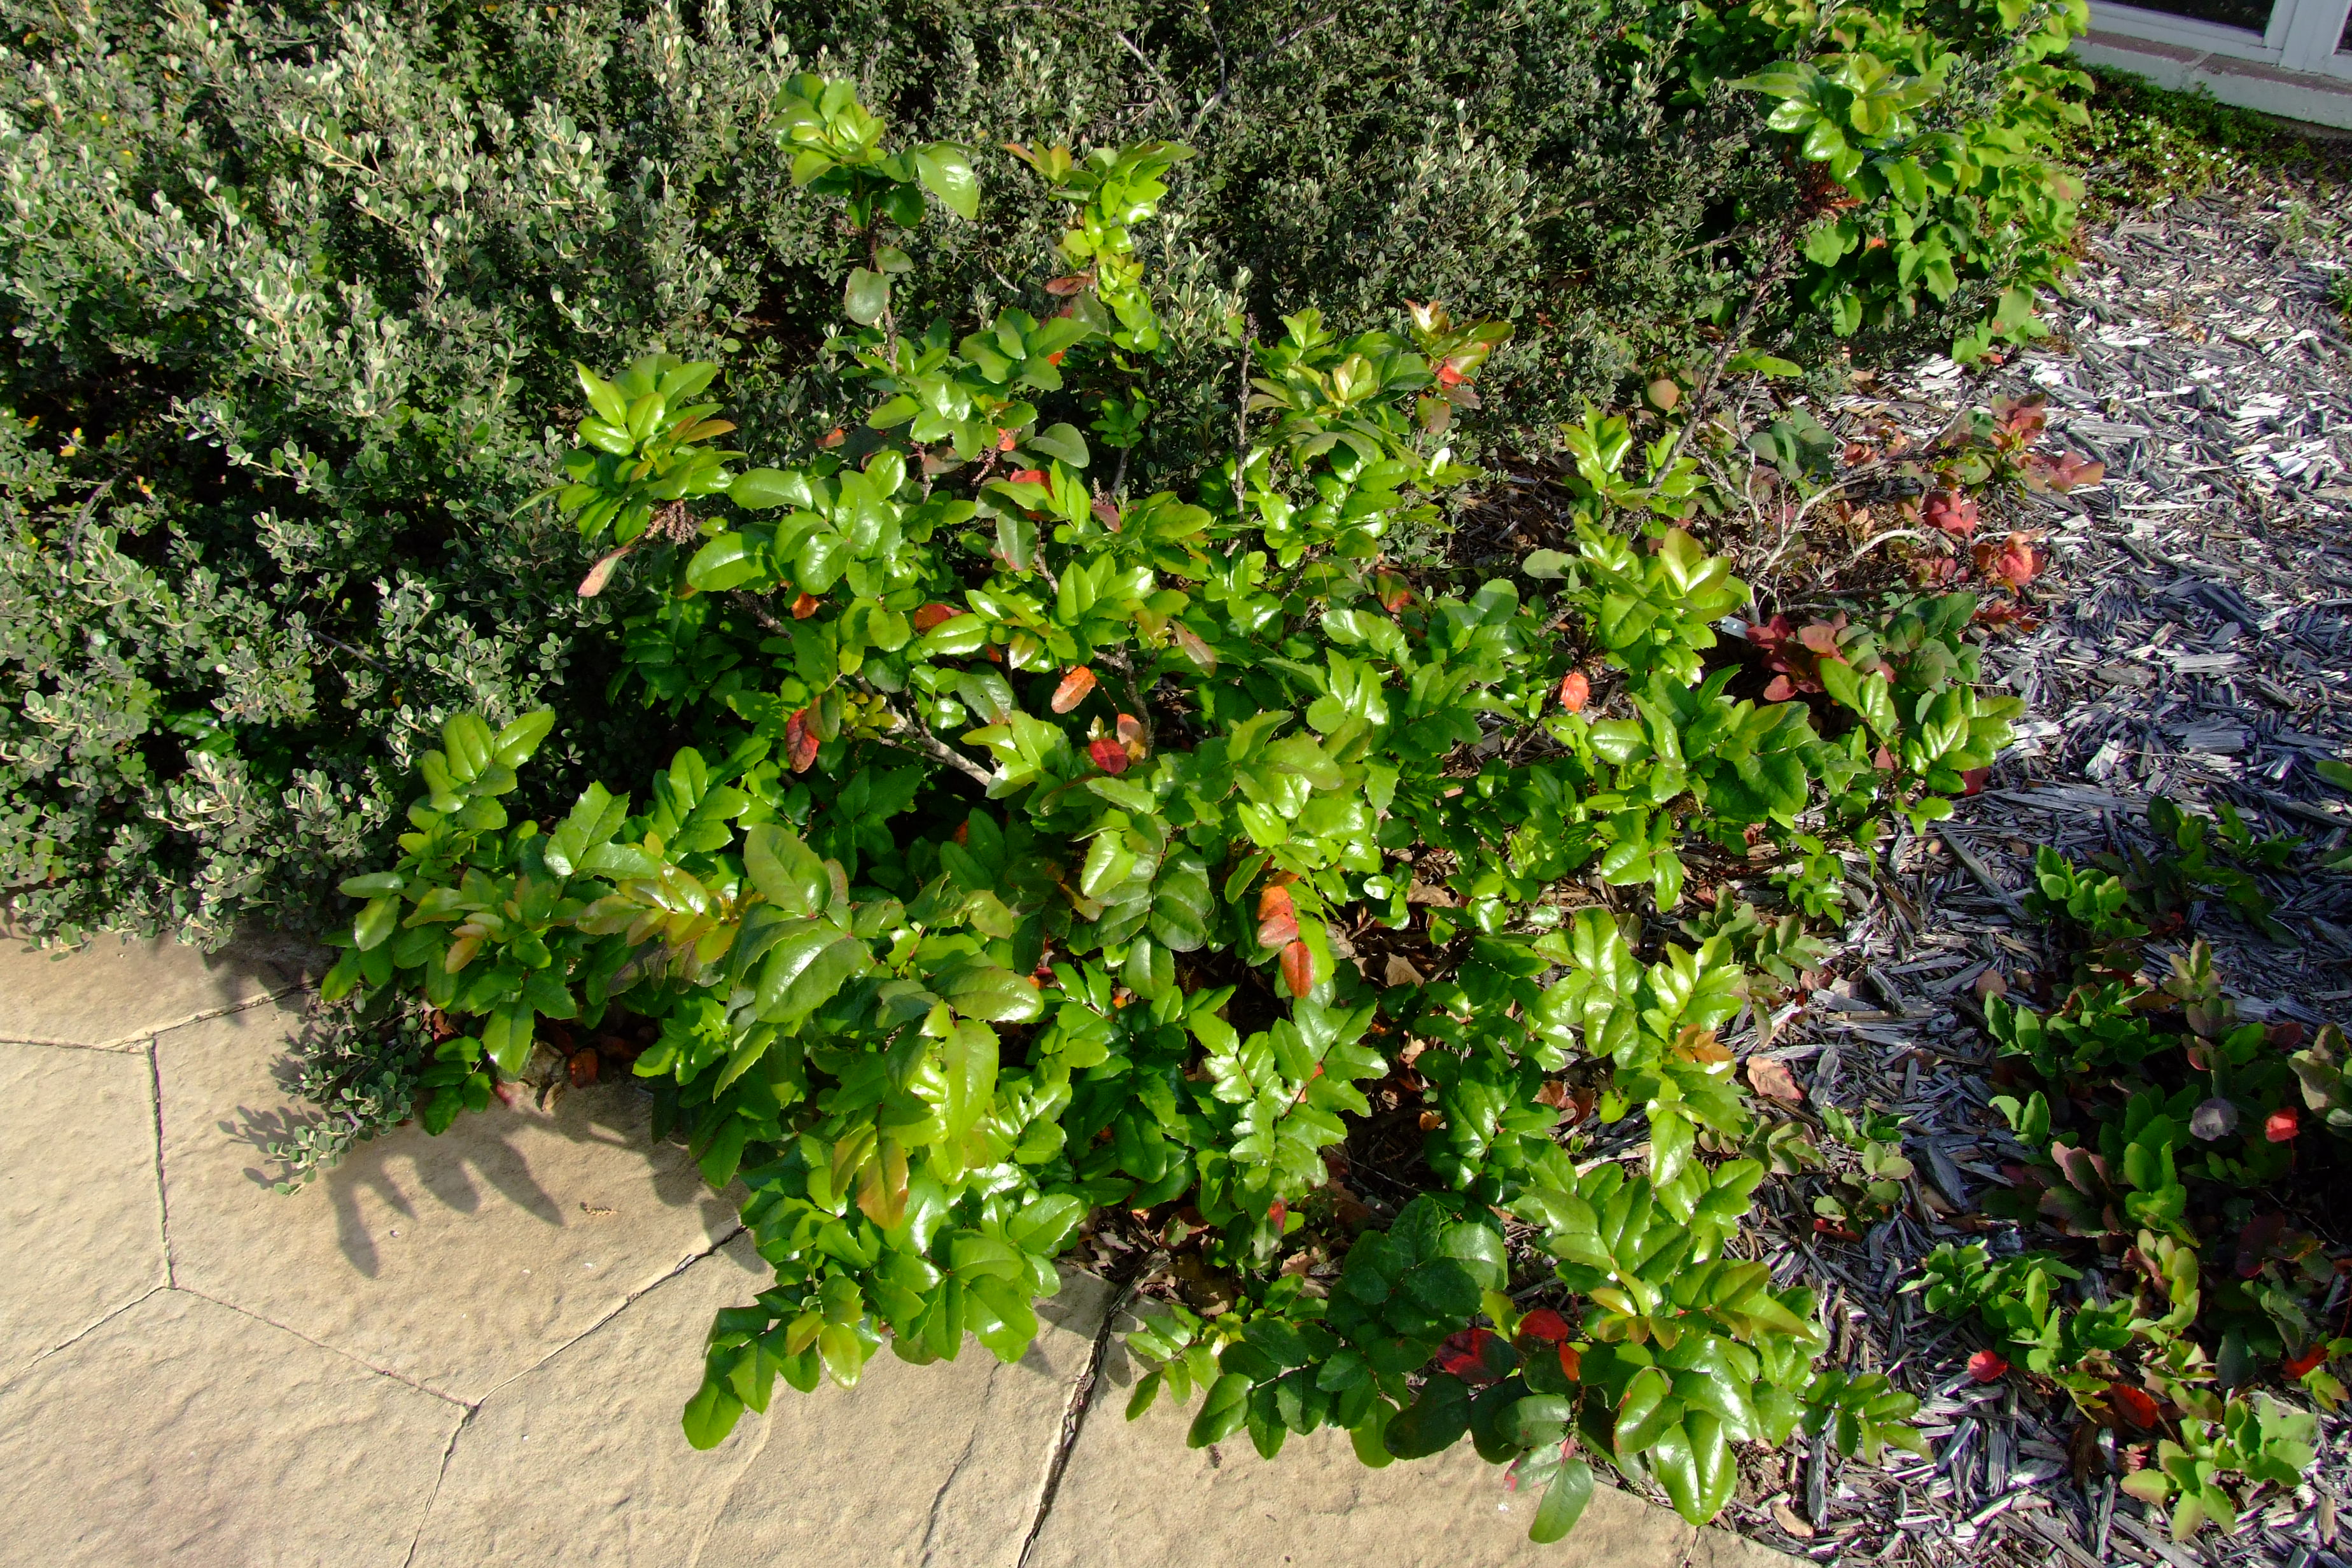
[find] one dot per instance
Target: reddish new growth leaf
(1298, 969)
(1575, 691)
(1572, 1367)
(2281, 1125)
(1063, 287)
(1393, 592)
(1055, 357)
(930, 615)
(1447, 375)
(805, 606)
(800, 740)
(1188, 642)
(1974, 779)
(2062, 472)
(2297, 1365)
(1464, 1353)
(835, 437)
(1108, 755)
(2014, 561)
(1027, 476)
(583, 1067)
(1106, 512)
(1796, 654)
(1073, 690)
(1950, 511)
(1278, 1216)
(1004, 439)
(2017, 423)
(2133, 1403)
(1277, 918)
(1546, 1325)
(1130, 729)
(601, 573)
(1988, 1366)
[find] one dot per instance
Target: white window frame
(2301, 39)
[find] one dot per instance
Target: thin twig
(1259, 59)
(1775, 268)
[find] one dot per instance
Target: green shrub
(289, 293)
(1006, 890)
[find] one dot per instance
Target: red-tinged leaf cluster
(1795, 653)
(2013, 562)
(2300, 1364)
(1949, 511)
(2066, 471)
(2283, 1125)
(930, 615)
(805, 606)
(1988, 1366)
(1469, 1354)
(1575, 691)
(1107, 754)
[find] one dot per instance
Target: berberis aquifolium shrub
(1007, 887)
(292, 294)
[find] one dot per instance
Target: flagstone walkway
(472, 1349)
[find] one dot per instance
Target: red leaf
(1298, 969)
(2281, 1125)
(1277, 918)
(1988, 1366)
(1073, 690)
(1004, 440)
(1575, 691)
(1055, 357)
(835, 437)
(930, 615)
(583, 1065)
(1278, 1214)
(1821, 637)
(1780, 691)
(2014, 561)
(1394, 591)
(1028, 475)
(1464, 1353)
(1448, 376)
(2297, 1366)
(1974, 778)
(1543, 1324)
(1106, 513)
(1572, 1367)
(800, 740)
(1131, 737)
(2137, 1407)
(1108, 755)
(1063, 287)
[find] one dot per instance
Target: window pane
(2344, 44)
(2254, 15)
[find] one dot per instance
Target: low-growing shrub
(1055, 855)
(292, 296)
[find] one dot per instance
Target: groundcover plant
(1007, 887)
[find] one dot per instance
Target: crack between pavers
(130, 1042)
(970, 1441)
(1074, 1415)
(162, 1192)
(631, 1299)
(449, 1452)
(82, 1333)
(358, 1361)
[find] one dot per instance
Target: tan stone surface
(117, 992)
(184, 1432)
(80, 1216)
(939, 1465)
(459, 1261)
(1135, 1497)
(581, 1461)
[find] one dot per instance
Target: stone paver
(81, 1216)
(582, 1459)
(183, 1432)
(1135, 1497)
(457, 1262)
(116, 991)
(472, 1350)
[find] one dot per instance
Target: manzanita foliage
(1014, 883)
